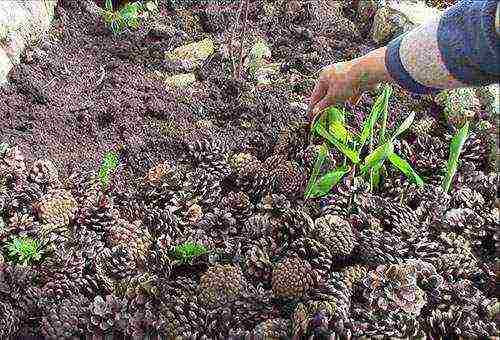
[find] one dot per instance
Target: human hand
(345, 81)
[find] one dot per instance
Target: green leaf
(109, 164)
(334, 114)
(326, 183)
(345, 149)
(109, 5)
(3, 148)
(405, 167)
(404, 126)
(323, 151)
(340, 132)
(376, 159)
(380, 106)
(456, 146)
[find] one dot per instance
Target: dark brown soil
(85, 91)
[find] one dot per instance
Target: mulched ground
(401, 260)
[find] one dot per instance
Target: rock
(21, 24)
(458, 104)
(194, 53)
(394, 17)
(489, 98)
(180, 80)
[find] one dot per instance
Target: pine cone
(429, 154)
(256, 226)
(157, 173)
(401, 281)
(253, 178)
(354, 274)
(203, 151)
(10, 319)
(294, 224)
(141, 284)
(291, 141)
(240, 316)
(396, 217)
(58, 207)
(273, 329)
(258, 265)
(424, 126)
(205, 186)
(238, 204)
(314, 252)
(182, 309)
(114, 264)
(162, 222)
(161, 193)
(291, 278)
(12, 162)
(44, 173)
(476, 149)
(220, 284)
(65, 318)
(288, 178)
(132, 236)
(335, 233)
(103, 313)
(375, 248)
(241, 160)
(219, 224)
(274, 203)
(456, 322)
(96, 218)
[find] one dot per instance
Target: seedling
(24, 250)
(109, 165)
(456, 146)
(332, 127)
(186, 252)
(126, 17)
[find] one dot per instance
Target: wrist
(369, 70)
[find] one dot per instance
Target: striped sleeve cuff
(399, 73)
(459, 49)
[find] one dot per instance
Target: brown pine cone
(220, 284)
(57, 207)
(291, 278)
(335, 233)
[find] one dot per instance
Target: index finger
(319, 91)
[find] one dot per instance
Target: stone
(21, 23)
(458, 104)
(393, 17)
(180, 80)
(195, 52)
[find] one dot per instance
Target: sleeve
(461, 48)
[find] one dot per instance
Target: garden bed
(197, 223)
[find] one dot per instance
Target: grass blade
(385, 113)
(404, 126)
(456, 146)
(328, 181)
(323, 151)
(380, 106)
(405, 167)
(340, 132)
(345, 149)
(334, 114)
(375, 160)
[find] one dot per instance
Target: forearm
(460, 49)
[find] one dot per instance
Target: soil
(236, 162)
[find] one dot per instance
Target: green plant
(126, 17)
(456, 146)
(186, 252)
(108, 166)
(332, 127)
(24, 250)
